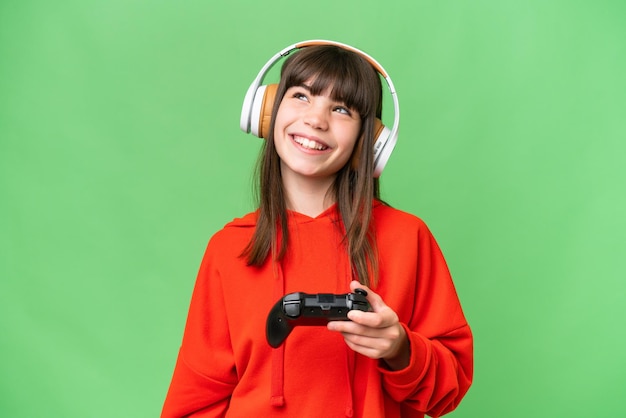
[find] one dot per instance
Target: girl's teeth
(306, 143)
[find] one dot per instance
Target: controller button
(292, 309)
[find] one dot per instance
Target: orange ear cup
(266, 110)
(378, 128)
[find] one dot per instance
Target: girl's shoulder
(247, 221)
(236, 232)
(386, 214)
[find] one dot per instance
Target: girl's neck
(308, 196)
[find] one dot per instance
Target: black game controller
(300, 308)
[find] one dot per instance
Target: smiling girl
(321, 228)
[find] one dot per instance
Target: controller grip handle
(277, 327)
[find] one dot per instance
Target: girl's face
(314, 135)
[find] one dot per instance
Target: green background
(121, 154)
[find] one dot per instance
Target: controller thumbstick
(361, 292)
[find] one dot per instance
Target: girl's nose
(316, 117)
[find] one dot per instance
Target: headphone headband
(254, 101)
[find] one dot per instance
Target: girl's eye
(343, 110)
(300, 96)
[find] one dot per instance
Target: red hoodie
(225, 366)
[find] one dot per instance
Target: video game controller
(299, 308)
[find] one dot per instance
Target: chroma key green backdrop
(121, 154)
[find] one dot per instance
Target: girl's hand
(376, 334)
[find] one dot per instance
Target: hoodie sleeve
(441, 365)
(204, 376)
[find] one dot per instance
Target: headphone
(256, 112)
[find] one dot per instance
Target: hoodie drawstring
(277, 390)
(350, 362)
(350, 359)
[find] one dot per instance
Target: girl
(321, 228)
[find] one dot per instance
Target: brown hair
(354, 81)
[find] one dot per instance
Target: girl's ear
(378, 129)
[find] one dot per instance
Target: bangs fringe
(346, 76)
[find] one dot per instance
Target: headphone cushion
(265, 116)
